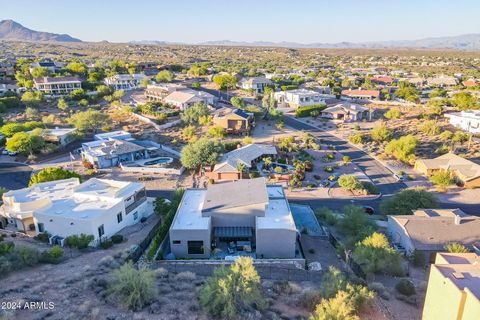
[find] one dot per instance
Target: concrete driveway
(14, 175)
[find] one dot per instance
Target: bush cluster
(306, 111)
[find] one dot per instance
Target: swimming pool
(156, 161)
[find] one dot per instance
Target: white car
(5, 152)
(398, 177)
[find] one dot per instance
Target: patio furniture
(230, 250)
(242, 244)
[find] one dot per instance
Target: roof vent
(458, 275)
(458, 220)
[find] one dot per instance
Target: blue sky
(194, 21)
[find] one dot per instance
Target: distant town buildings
(468, 120)
(244, 216)
(63, 208)
(57, 86)
(453, 290)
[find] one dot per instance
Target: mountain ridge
(12, 30)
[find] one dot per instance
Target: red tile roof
(382, 79)
(360, 92)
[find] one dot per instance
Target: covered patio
(233, 241)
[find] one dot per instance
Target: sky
(194, 21)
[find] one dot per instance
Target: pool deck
(305, 219)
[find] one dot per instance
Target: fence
(268, 269)
(137, 252)
(356, 268)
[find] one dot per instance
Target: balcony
(135, 205)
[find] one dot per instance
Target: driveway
(14, 175)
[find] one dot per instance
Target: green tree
(393, 113)
(338, 308)
(232, 289)
(217, 132)
(200, 152)
(77, 94)
(403, 148)
(192, 114)
(134, 288)
(455, 247)
(52, 174)
(464, 101)
(31, 113)
(164, 76)
(77, 67)
(374, 254)
(225, 81)
(381, 133)
(23, 142)
(446, 135)
(356, 138)
(89, 120)
(198, 70)
(9, 129)
(430, 127)
(405, 201)
(62, 104)
(32, 99)
(355, 224)
(237, 102)
(442, 178)
(349, 182)
(103, 90)
(39, 72)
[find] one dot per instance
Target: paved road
(380, 175)
(14, 175)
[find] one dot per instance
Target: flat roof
(111, 134)
(463, 276)
(189, 213)
(277, 212)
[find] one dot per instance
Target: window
(195, 247)
(177, 242)
(101, 231)
(119, 217)
(41, 228)
(135, 215)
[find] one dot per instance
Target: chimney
(458, 220)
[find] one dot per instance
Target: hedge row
(305, 111)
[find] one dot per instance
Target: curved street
(14, 175)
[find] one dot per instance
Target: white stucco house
(298, 98)
(183, 99)
(125, 81)
(245, 216)
(468, 120)
(67, 207)
(257, 84)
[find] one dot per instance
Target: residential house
(471, 83)
(4, 88)
(453, 290)
(57, 86)
(157, 92)
(257, 84)
(442, 81)
(429, 230)
(58, 136)
(113, 148)
(183, 99)
(125, 81)
(234, 121)
(466, 171)
(360, 94)
(49, 65)
(383, 80)
(346, 111)
(468, 120)
(247, 157)
(298, 98)
(7, 70)
(67, 207)
(242, 217)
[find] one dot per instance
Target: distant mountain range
(470, 42)
(11, 30)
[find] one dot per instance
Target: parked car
(11, 153)
(5, 152)
(369, 210)
(398, 177)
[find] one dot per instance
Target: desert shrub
(185, 276)
(133, 288)
(306, 111)
(232, 289)
(42, 237)
(161, 273)
(29, 256)
(418, 259)
(310, 299)
(369, 188)
(79, 241)
(6, 247)
(333, 281)
(381, 133)
(430, 127)
(442, 178)
(405, 201)
(349, 182)
(355, 224)
(405, 287)
(326, 215)
(308, 166)
(393, 113)
(346, 159)
(54, 255)
(377, 287)
(5, 266)
(117, 238)
(328, 169)
(456, 248)
(253, 174)
(106, 244)
(403, 148)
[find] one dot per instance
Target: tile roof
(244, 155)
(452, 162)
(361, 93)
